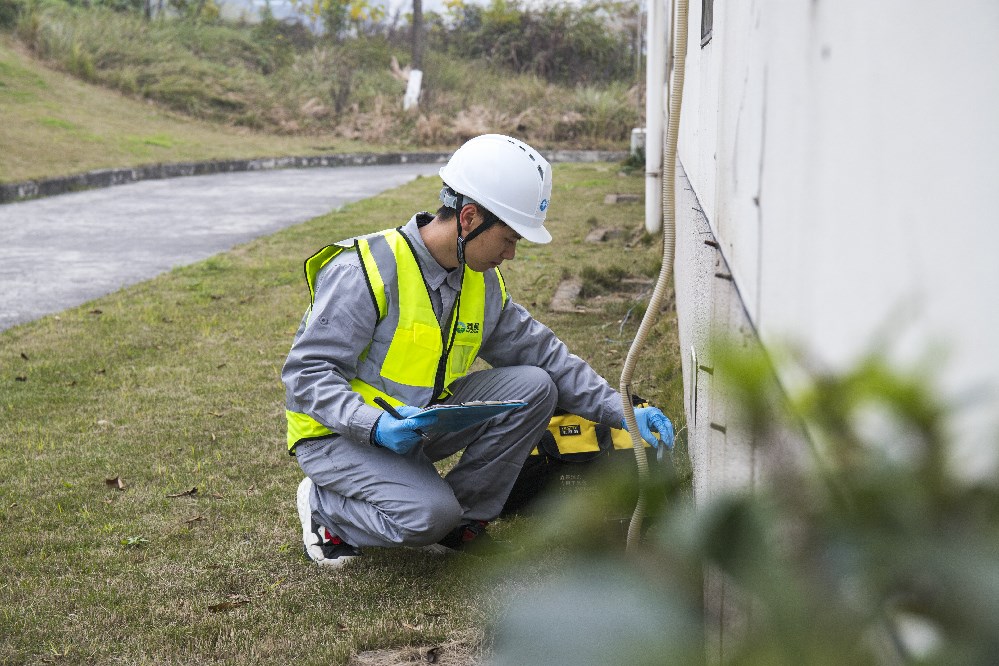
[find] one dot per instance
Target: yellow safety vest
(413, 361)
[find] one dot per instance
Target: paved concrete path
(62, 251)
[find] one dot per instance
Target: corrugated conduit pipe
(659, 293)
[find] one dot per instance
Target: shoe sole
(309, 538)
(313, 549)
(337, 563)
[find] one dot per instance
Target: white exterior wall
(844, 157)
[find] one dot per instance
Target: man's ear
(467, 218)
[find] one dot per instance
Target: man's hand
(651, 419)
(401, 435)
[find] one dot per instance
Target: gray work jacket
(340, 326)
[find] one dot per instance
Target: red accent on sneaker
(468, 534)
(332, 538)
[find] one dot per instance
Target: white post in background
(655, 93)
(637, 141)
(412, 98)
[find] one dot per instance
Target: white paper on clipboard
(452, 418)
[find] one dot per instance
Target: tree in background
(195, 10)
(417, 34)
(337, 19)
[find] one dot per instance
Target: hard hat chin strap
(488, 220)
(452, 199)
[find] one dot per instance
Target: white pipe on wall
(668, 224)
(655, 91)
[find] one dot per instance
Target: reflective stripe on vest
(419, 360)
(303, 427)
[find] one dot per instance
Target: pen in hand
(381, 402)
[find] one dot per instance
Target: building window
(707, 20)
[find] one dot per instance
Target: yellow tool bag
(568, 454)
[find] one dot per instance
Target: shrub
(563, 43)
(865, 546)
(10, 10)
(607, 112)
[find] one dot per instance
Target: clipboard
(452, 418)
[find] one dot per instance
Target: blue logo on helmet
(544, 205)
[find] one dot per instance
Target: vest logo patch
(569, 430)
(470, 327)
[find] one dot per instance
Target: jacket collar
(433, 273)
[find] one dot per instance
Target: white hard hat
(507, 177)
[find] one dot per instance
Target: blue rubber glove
(402, 435)
(649, 419)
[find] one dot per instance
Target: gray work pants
(370, 496)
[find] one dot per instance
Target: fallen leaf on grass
(56, 655)
(235, 601)
(25, 356)
(218, 495)
(186, 493)
(412, 627)
(195, 519)
(96, 312)
(115, 483)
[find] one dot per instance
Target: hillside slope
(52, 124)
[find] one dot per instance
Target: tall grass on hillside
(277, 78)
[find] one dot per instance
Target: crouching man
(397, 318)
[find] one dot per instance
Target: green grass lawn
(172, 386)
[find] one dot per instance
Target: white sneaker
(322, 547)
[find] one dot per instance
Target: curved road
(62, 251)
